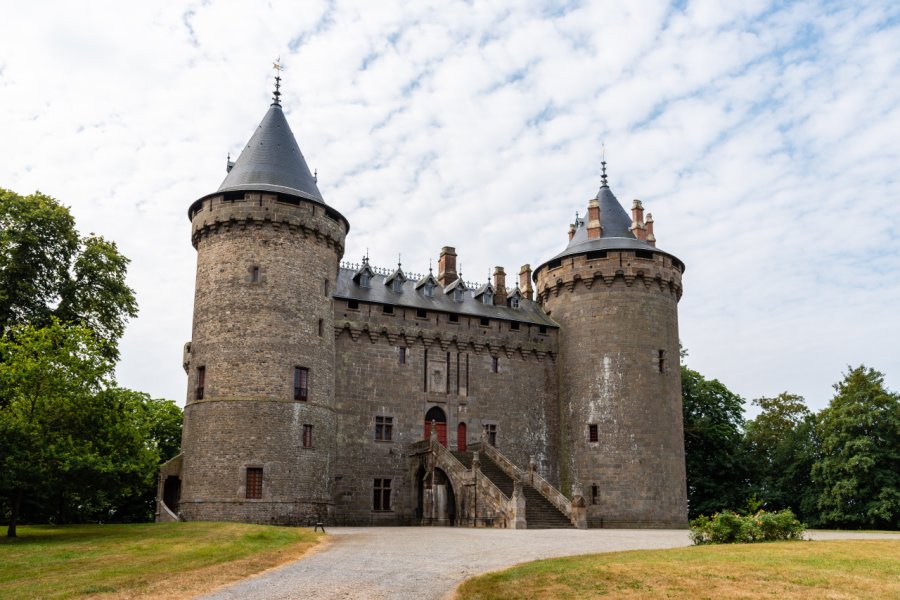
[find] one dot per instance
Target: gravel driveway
(428, 562)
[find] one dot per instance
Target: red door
(440, 429)
(461, 437)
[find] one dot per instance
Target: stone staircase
(540, 513)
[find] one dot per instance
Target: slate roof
(378, 293)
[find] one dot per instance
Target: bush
(728, 527)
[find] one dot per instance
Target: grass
(151, 560)
(821, 570)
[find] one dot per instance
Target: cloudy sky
(764, 140)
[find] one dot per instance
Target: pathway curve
(429, 562)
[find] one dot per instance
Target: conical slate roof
(272, 162)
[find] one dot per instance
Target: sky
(763, 137)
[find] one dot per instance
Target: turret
(615, 296)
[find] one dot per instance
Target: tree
(47, 270)
(859, 468)
(713, 445)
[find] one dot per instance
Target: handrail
(168, 511)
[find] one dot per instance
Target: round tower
(615, 296)
(259, 425)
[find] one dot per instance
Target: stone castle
(322, 391)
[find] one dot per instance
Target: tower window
(593, 433)
(254, 274)
(325, 286)
(485, 322)
(514, 325)
(595, 494)
(321, 327)
(387, 309)
(490, 433)
(402, 355)
(495, 363)
(201, 382)
(453, 318)
(421, 313)
(353, 304)
(384, 429)
(661, 361)
(382, 494)
(254, 483)
(542, 329)
(307, 436)
(301, 383)
(643, 254)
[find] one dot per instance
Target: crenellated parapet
(311, 220)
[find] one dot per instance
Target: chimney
(571, 231)
(637, 220)
(499, 286)
(447, 266)
(525, 282)
(594, 229)
(651, 239)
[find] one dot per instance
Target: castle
(344, 393)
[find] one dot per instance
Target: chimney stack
(571, 231)
(651, 239)
(637, 220)
(447, 266)
(594, 229)
(499, 286)
(525, 282)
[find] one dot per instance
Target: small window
(643, 254)
(254, 483)
(307, 436)
(364, 280)
(595, 494)
(514, 325)
(429, 289)
(421, 313)
(487, 298)
(485, 322)
(387, 309)
(397, 285)
(384, 429)
(514, 302)
(458, 295)
(661, 361)
(301, 383)
(325, 286)
(495, 362)
(254, 274)
(542, 329)
(321, 327)
(353, 304)
(382, 495)
(453, 318)
(593, 433)
(201, 382)
(490, 432)
(402, 355)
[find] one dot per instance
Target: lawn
(827, 569)
(151, 560)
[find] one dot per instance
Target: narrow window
(487, 298)
(353, 304)
(421, 313)
(461, 437)
(453, 318)
(325, 287)
(307, 436)
(425, 372)
(485, 322)
(301, 383)
(514, 326)
(254, 483)
(364, 280)
(514, 303)
(595, 494)
(398, 285)
(661, 361)
(382, 496)
(384, 429)
(490, 432)
(447, 376)
(402, 355)
(593, 434)
(254, 274)
(457, 373)
(458, 295)
(321, 327)
(429, 289)
(387, 309)
(201, 382)
(495, 362)
(467, 374)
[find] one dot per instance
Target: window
(495, 362)
(421, 313)
(487, 298)
(595, 494)
(542, 329)
(458, 295)
(387, 309)
(402, 355)
(429, 289)
(307, 436)
(301, 383)
(453, 318)
(201, 382)
(485, 322)
(254, 483)
(325, 287)
(384, 429)
(353, 304)
(593, 433)
(382, 495)
(321, 327)
(661, 361)
(254, 274)
(643, 254)
(514, 302)
(514, 325)
(490, 433)
(364, 280)
(397, 285)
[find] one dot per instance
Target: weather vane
(276, 98)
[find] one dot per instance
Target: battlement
(218, 212)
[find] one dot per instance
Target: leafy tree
(859, 467)
(713, 444)
(47, 270)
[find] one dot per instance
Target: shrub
(728, 527)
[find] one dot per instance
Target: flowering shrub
(728, 527)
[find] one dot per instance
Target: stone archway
(436, 498)
(437, 416)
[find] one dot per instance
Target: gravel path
(428, 562)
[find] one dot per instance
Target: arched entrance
(439, 417)
(172, 492)
(436, 499)
(461, 437)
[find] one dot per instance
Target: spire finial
(603, 181)
(276, 97)
(399, 256)
(429, 266)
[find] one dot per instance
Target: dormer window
(458, 295)
(487, 298)
(397, 285)
(514, 302)
(429, 290)
(364, 280)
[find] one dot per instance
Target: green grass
(158, 560)
(828, 569)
